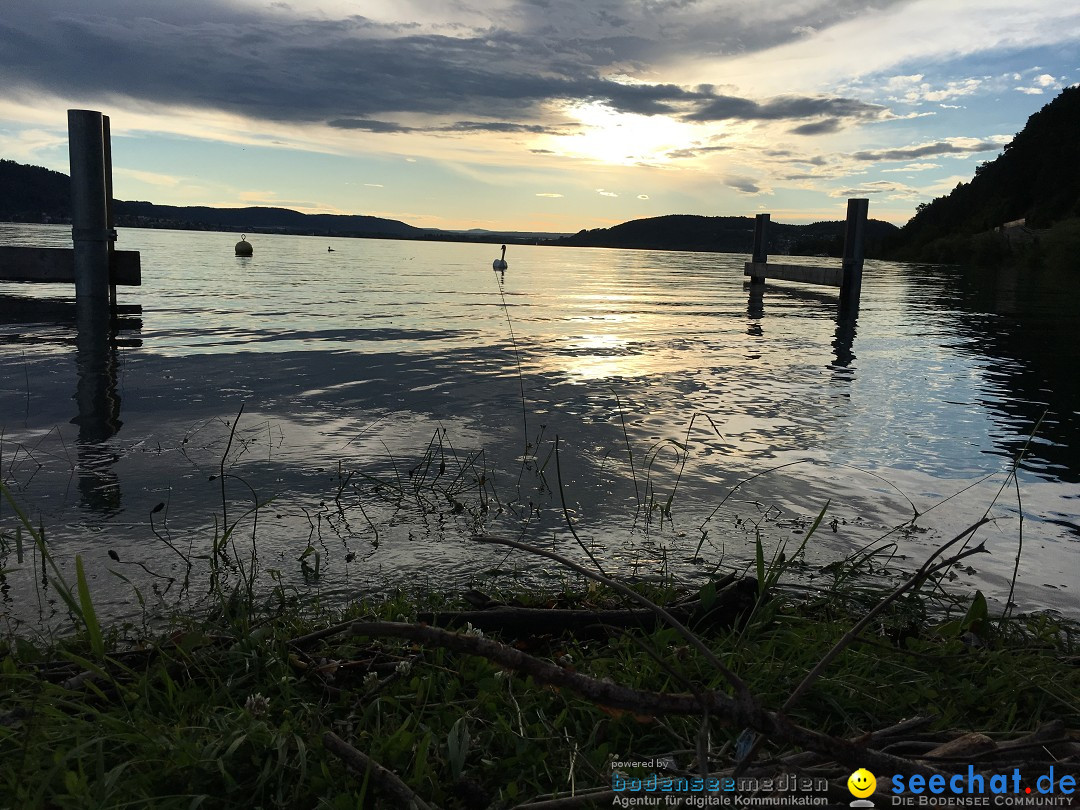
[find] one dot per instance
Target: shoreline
(281, 702)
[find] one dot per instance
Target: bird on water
(500, 264)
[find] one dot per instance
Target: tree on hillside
(32, 193)
(1035, 178)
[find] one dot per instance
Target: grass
(233, 709)
(261, 697)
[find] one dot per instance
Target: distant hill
(259, 219)
(728, 235)
(1036, 179)
(34, 194)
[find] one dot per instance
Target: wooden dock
(829, 276)
(92, 264)
(57, 265)
(848, 277)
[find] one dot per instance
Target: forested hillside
(33, 194)
(1036, 179)
(727, 235)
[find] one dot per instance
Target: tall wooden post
(761, 249)
(89, 212)
(851, 271)
(92, 264)
(89, 226)
(106, 136)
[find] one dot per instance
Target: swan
(500, 264)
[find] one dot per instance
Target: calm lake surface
(665, 379)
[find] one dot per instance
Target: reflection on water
(1021, 330)
(98, 403)
(375, 366)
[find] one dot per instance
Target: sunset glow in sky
(550, 115)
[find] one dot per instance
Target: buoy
(243, 247)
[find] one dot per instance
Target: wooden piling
(852, 267)
(92, 265)
(761, 245)
(89, 210)
(848, 277)
(106, 133)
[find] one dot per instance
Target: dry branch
(722, 706)
(728, 604)
(736, 682)
(363, 764)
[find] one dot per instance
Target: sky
(536, 115)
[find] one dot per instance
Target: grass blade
(89, 616)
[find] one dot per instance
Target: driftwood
(734, 599)
(362, 764)
(901, 749)
(737, 710)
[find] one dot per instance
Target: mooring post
(89, 210)
(106, 138)
(851, 271)
(761, 250)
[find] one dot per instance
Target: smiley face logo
(861, 783)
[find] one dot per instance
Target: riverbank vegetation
(426, 699)
(1021, 208)
(1055, 248)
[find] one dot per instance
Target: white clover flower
(473, 631)
(371, 680)
(403, 667)
(257, 704)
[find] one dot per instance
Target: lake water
(665, 379)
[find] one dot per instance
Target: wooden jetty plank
(58, 265)
(828, 276)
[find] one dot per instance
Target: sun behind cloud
(619, 138)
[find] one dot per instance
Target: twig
(386, 779)
(521, 382)
(745, 713)
(566, 512)
(303, 641)
(1020, 511)
(224, 458)
(916, 579)
(740, 687)
(629, 450)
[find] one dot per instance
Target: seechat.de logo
(862, 784)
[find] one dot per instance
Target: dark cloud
(694, 151)
(496, 126)
(744, 184)
(276, 64)
(787, 156)
(926, 150)
(647, 31)
(833, 110)
(860, 192)
(819, 127)
(368, 125)
(874, 187)
(372, 125)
